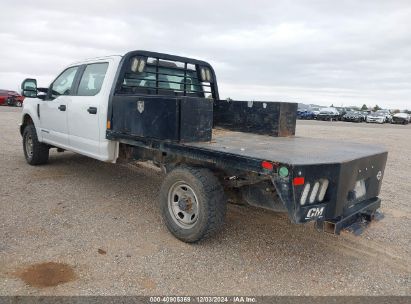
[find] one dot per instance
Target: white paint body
(76, 129)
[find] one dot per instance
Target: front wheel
(35, 152)
(192, 203)
(19, 104)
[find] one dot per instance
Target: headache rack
(162, 97)
(152, 73)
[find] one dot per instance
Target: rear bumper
(361, 215)
(376, 120)
(342, 202)
(399, 121)
(326, 117)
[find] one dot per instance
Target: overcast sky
(340, 52)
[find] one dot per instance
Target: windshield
(328, 111)
(381, 112)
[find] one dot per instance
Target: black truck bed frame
(246, 151)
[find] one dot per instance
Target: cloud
(346, 52)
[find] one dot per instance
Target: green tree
(376, 108)
(364, 107)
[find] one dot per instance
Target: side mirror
(29, 87)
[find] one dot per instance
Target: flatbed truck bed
(289, 150)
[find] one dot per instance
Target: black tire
(39, 154)
(19, 104)
(210, 205)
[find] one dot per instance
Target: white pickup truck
(166, 109)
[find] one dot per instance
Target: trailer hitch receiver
(356, 222)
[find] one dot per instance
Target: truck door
(86, 109)
(53, 110)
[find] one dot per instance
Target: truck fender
(30, 115)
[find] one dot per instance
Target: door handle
(62, 107)
(92, 110)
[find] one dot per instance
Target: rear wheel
(35, 152)
(192, 203)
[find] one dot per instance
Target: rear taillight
(323, 189)
(304, 195)
(313, 194)
(298, 181)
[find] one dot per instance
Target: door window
(64, 83)
(92, 79)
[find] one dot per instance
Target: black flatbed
(289, 150)
(246, 151)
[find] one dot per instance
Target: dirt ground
(94, 229)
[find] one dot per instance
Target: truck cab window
(92, 79)
(63, 83)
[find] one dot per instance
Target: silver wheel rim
(29, 146)
(183, 205)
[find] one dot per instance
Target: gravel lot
(102, 221)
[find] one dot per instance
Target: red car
(10, 98)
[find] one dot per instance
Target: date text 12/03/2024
(203, 299)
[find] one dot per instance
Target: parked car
(342, 111)
(305, 114)
(10, 98)
(354, 116)
(387, 114)
(401, 118)
(376, 117)
(329, 114)
(380, 116)
(4, 95)
(365, 114)
(315, 111)
(147, 106)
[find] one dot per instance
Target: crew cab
(166, 109)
